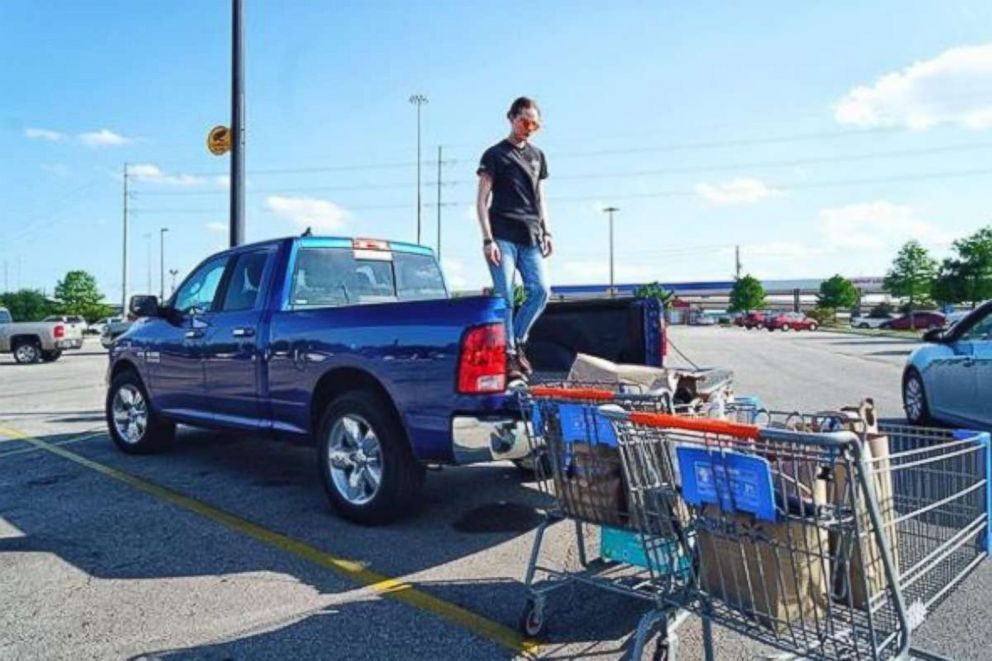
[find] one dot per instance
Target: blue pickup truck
(355, 345)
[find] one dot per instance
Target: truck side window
(246, 280)
(198, 292)
(5, 317)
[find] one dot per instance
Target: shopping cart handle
(580, 394)
(669, 421)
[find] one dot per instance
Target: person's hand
(546, 245)
(492, 253)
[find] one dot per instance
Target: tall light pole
(173, 273)
(161, 263)
(237, 124)
(124, 260)
(439, 202)
(418, 100)
(611, 211)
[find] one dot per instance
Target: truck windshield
(328, 277)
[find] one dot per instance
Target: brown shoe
(514, 372)
(525, 365)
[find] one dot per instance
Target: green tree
(952, 282)
(975, 272)
(655, 290)
(837, 292)
(912, 274)
(747, 295)
(78, 293)
(26, 305)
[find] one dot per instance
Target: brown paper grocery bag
(865, 575)
(773, 572)
(590, 487)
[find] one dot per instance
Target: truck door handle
(244, 332)
(194, 334)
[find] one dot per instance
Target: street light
(161, 263)
(611, 211)
(173, 273)
(418, 100)
(148, 245)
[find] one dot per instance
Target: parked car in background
(871, 321)
(920, 321)
(789, 321)
(31, 342)
(949, 379)
(752, 320)
(75, 326)
(113, 329)
(704, 319)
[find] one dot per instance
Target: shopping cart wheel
(532, 619)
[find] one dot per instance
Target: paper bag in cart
(773, 572)
(590, 486)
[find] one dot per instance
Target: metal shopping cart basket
(577, 462)
(823, 544)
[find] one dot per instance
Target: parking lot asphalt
(224, 548)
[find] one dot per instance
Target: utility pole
(173, 273)
(418, 100)
(737, 262)
(124, 275)
(161, 263)
(611, 211)
(237, 124)
(439, 202)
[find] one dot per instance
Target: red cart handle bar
(665, 420)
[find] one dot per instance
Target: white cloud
(740, 190)
(151, 173)
(952, 88)
(877, 225)
(104, 138)
(308, 211)
(44, 134)
(217, 227)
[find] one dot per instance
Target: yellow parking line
(385, 586)
(75, 439)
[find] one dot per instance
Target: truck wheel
(134, 427)
(27, 352)
(366, 466)
(51, 356)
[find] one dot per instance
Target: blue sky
(818, 136)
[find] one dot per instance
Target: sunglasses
(529, 124)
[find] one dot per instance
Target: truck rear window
(329, 277)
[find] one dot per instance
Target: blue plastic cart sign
(734, 481)
(581, 423)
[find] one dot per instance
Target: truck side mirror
(144, 306)
(934, 335)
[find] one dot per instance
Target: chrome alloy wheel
(913, 398)
(130, 413)
(354, 456)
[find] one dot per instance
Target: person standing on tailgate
(514, 221)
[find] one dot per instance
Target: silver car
(949, 379)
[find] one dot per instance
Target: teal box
(627, 546)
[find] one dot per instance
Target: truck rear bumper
(492, 438)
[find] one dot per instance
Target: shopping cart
(823, 544)
(577, 462)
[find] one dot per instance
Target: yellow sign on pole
(219, 140)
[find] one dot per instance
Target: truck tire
(27, 351)
(132, 424)
(51, 356)
(367, 468)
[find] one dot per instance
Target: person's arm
(547, 246)
(489, 247)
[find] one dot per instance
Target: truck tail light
(59, 331)
(482, 363)
(369, 244)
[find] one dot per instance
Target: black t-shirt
(515, 212)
